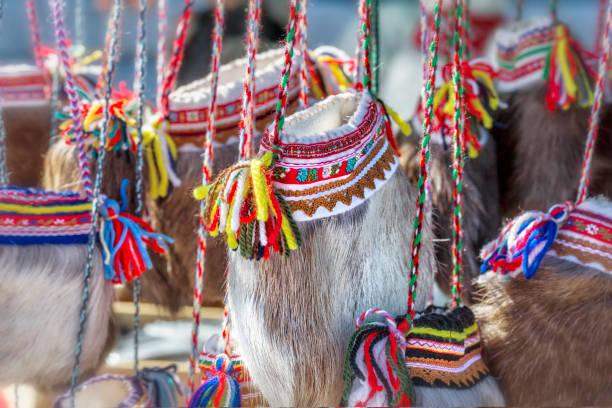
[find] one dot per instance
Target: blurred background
(331, 22)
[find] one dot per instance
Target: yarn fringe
(124, 239)
(375, 370)
(522, 244)
(221, 389)
(569, 78)
(242, 203)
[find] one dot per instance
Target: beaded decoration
(531, 51)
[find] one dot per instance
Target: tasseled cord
(124, 239)
(569, 78)
(524, 242)
(375, 371)
(219, 390)
(242, 203)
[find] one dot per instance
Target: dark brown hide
(549, 339)
(540, 153)
(27, 140)
(480, 205)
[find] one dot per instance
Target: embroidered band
(23, 85)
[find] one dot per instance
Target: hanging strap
(427, 129)
(35, 33)
(364, 53)
(601, 22)
(247, 124)
(162, 28)
(73, 99)
(458, 137)
(519, 10)
(595, 110)
(178, 50)
(206, 176)
(139, 87)
(302, 41)
(553, 9)
(4, 179)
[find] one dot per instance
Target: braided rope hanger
(206, 177)
(162, 28)
(427, 129)
(139, 87)
(4, 179)
(595, 111)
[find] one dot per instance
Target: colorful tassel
(163, 385)
(219, 390)
(569, 79)
(242, 201)
(124, 239)
(524, 242)
(375, 371)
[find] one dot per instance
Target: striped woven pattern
(444, 350)
(23, 85)
(586, 236)
(522, 50)
(34, 217)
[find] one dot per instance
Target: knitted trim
(189, 103)
(34, 217)
(586, 236)
(338, 167)
(522, 49)
(137, 395)
(444, 349)
(23, 85)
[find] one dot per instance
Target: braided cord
(366, 42)
(206, 177)
(178, 50)
(78, 22)
(34, 32)
(62, 43)
(162, 28)
(594, 119)
(303, 47)
(553, 9)
(95, 209)
(139, 86)
(279, 119)
(4, 180)
(375, 44)
(458, 137)
(601, 21)
(427, 128)
(247, 124)
(519, 10)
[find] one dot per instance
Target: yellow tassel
(200, 192)
(231, 237)
(259, 185)
(404, 127)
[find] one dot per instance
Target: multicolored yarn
(523, 243)
(365, 13)
(34, 32)
(178, 50)
(279, 119)
(247, 124)
(303, 55)
(427, 129)
(206, 176)
(458, 135)
(220, 389)
(375, 45)
(444, 349)
(73, 99)
(160, 62)
(375, 371)
(569, 80)
(594, 118)
(163, 385)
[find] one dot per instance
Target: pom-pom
(242, 203)
(375, 371)
(524, 242)
(124, 239)
(220, 389)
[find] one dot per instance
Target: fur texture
(40, 297)
(549, 339)
(540, 153)
(480, 206)
(27, 139)
(293, 317)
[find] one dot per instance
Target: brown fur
(549, 339)
(540, 154)
(27, 139)
(480, 206)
